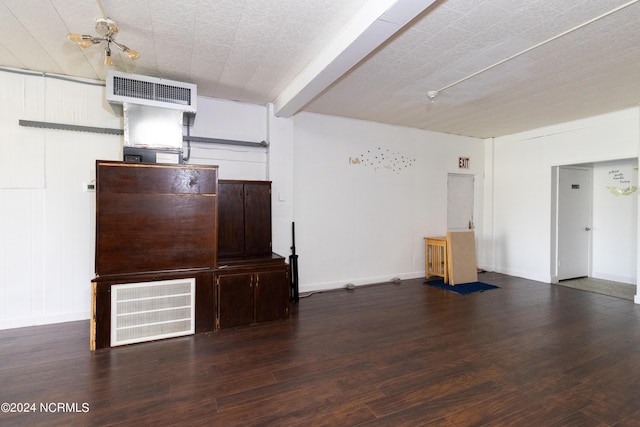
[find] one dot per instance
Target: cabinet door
(257, 218)
(272, 295)
(154, 217)
(230, 219)
(235, 299)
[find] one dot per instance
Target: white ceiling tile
(436, 18)
(8, 59)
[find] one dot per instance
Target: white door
(574, 222)
(459, 202)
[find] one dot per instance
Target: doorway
(460, 202)
(574, 205)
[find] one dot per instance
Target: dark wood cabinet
(235, 295)
(244, 218)
(177, 233)
(252, 283)
(154, 223)
(271, 295)
(101, 315)
(252, 291)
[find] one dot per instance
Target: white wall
(518, 216)
(615, 221)
(236, 121)
(280, 172)
(47, 221)
(366, 194)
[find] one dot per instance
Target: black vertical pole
(293, 263)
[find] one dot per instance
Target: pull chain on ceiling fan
(107, 30)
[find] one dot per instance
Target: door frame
(478, 218)
(474, 209)
(555, 217)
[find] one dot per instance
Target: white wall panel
(19, 246)
(235, 161)
(217, 118)
(236, 121)
(23, 244)
(39, 250)
(48, 232)
(22, 159)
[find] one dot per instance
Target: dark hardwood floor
(528, 353)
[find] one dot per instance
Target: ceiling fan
(107, 30)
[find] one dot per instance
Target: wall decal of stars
(383, 159)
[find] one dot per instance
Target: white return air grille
(145, 90)
(152, 310)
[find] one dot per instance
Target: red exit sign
(463, 163)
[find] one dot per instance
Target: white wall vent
(152, 310)
(145, 90)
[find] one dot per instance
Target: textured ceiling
(366, 59)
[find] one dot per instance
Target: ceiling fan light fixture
(82, 40)
(75, 37)
(107, 56)
(107, 29)
(132, 54)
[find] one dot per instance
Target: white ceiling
(357, 58)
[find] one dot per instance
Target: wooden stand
(435, 252)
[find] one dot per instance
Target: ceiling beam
(376, 22)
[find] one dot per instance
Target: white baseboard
(614, 278)
(326, 286)
(524, 275)
(42, 320)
